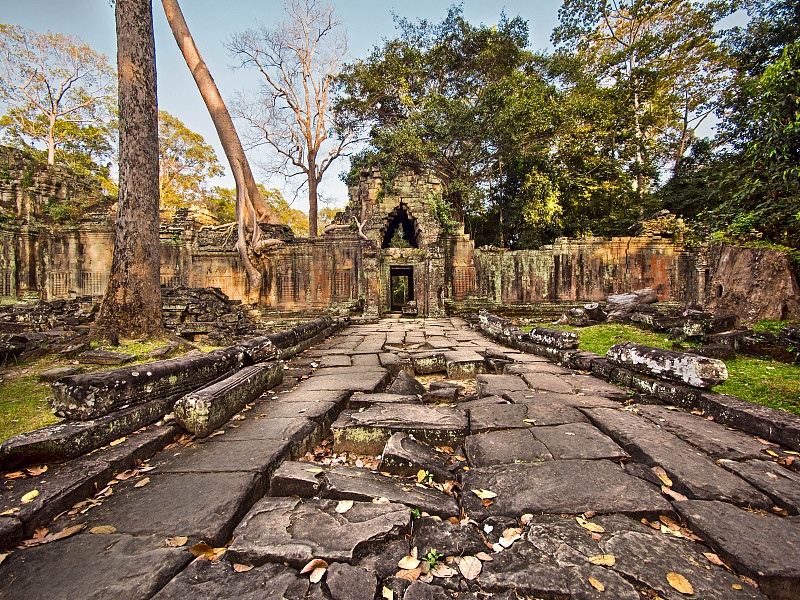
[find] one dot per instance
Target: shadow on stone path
(543, 483)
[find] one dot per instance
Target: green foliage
(432, 558)
(442, 211)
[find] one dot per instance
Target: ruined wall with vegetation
(48, 251)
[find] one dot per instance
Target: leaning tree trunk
(131, 306)
(251, 208)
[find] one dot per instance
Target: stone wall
(346, 270)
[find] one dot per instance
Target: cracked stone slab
(300, 431)
(335, 360)
(764, 548)
(368, 431)
(641, 555)
(578, 440)
(446, 538)
(404, 455)
(547, 382)
(538, 366)
(560, 487)
(203, 506)
(204, 579)
(505, 447)
(589, 385)
(352, 483)
(59, 488)
(322, 413)
(494, 417)
(95, 567)
(362, 381)
(777, 482)
(464, 364)
(223, 456)
(367, 400)
(296, 478)
(692, 472)
(544, 413)
(295, 530)
(575, 401)
(711, 437)
(498, 385)
(425, 363)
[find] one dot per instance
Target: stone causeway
(416, 459)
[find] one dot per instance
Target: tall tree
(430, 97)
(292, 112)
(251, 208)
(663, 56)
(57, 90)
(185, 162)
(132, 303)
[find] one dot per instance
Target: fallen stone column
(554, 338)
(92, 395)
(203, 411)
(680, 367)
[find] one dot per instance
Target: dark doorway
(401, 281)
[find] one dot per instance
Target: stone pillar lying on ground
(92, 395)
(554, 338)
(680, 367)
(203, 411)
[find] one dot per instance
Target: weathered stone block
(92, 395)
(428, 362)
(405, 455)
(201, 412)
(554, 338)
(67, 439)
(698, 371)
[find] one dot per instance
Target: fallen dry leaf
(662, 475)
(381, 500)
(3, 557)
(484, 494)
(29, 497)
(343, 506)
(240, 568)
(100, 529)
(673, 494)
(470, 567)
(10, 511)
(672, 524)
(316, 574)
(597, 585)
(15, 475)
(65, 533)
(117, 441)
(714, 559)
(606, 560)
(526, 518)
(593, 527)
(126, 474)
(735, 586)
(315, 470)
(387, 594)
(442, 570)
(484, 557)
(34, 471)
(201, 549)
(314, 563)
(142, 483)
(409, 574)
(176, 541)
(408, 562)
(771, 453)
(680, 583)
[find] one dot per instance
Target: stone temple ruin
(47, 253)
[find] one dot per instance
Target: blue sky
(211, 23)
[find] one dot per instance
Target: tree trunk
(251, 208)
(312, 197)
(51, 140)
(132, 303)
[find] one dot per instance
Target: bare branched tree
(251, 208)
(291, 112)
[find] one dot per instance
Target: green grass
(763, 381)
(23, 405)
(23, 398)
